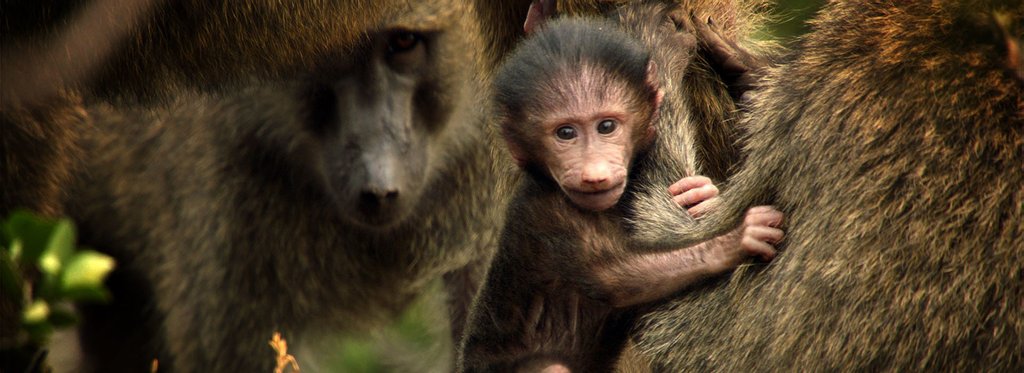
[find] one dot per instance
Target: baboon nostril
(378, 196)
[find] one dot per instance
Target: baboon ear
(1014, 59)
(652, 131)
(540, 12)
(518, 153)
(659, 94)
(652, 83)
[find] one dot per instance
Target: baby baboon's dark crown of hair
(564, 45)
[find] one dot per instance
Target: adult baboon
(138, 51)
(142, 51)
(894, 142)
(38, 153)
(327, 201)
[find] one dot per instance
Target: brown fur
(40, 120)
(38, 144)
(151, 51)
(217, 211)
(529, 309)
(198, 44)
(893, 141)
(215, 45)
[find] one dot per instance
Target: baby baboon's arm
(638, 278)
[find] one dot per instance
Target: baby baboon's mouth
(597, 200)
(614, 188)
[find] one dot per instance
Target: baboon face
(589, 158)
(576, 102)
(379, 118)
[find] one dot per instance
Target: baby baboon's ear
(540, 12)
(652, 84)
(519, 154)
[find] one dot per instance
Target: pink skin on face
(591, 164)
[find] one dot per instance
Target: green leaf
(59, 248)
(83, 276)
(36, 313)
(16, 249)
(33, 233)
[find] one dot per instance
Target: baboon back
(894, 142)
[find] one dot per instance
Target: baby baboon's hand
(760, 232)
(694, 193)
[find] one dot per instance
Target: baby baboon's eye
(606, 126)
(565, 133)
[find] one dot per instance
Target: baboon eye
(403, 41)
(322, 108)
(406, 51)
(606, 126)
(565, 133)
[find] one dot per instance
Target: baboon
(708, 100)
(704, 107)
(38, 130)
(324, 201)
(894, 142)
(577, 104)
(142, 52)
(39, 112)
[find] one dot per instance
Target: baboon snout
(384, 190)
(596, 174)
(381, 190)
(599, 176)
(378, 195)
(380, 206)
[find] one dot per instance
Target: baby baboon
(323, 202)
(894, 142)
(705, 100)
(576, 103)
